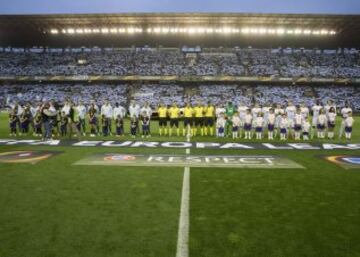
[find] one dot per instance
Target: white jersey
(255, 111)
(271, 118)
(259, 122)
(119, 111)
(248, 119)
(304, 112)
(147, 110)
(331, 116)
(107, 110)
(20, 110)
(236, 121)
(220, 123)
(265, 111)
(349, 121)
(219, 110)
(134, 110)
(81, 109)
(34, 110)
(327, 108)
(66, 109)
(298, 120)
(284, 123)
(316, 110)
(242, 112)
(290, 111)
(322, 119)
(345, 111)
(279, 111)
(306, 126)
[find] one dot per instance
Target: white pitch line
(182, 249)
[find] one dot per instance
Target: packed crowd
(239, 62)
(169, 93)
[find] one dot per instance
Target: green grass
(55, 209)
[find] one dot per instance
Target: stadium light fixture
(165, 30)
(197, 30)
(262, 31)
(280, 31)
(105, 30)
(245, 30)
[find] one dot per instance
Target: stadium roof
(31, 30)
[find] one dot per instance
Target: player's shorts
(247, 127)
(283, 130)
(174, 122)
(162, 122)
(258, 129)
(331, 125)
(188, 121)
(93, 121)
(320, 126)
(235, 128)
(145, 127)
(297, 127)
(199, 121)
(348, 129)
(209, 121)
(305, 133)
(271, 127)
(221, 130)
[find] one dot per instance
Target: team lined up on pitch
(283, 122)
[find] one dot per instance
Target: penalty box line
(182, 249)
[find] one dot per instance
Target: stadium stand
(152, 62)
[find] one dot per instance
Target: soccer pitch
(54, 208)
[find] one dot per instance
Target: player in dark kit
(13, 119)
(145, 122)
(24, 122)
(37, 124)
(133, 126)
(93, 120)
(104, 125)
(119, 126)
(63, 124)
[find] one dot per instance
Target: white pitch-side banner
(181, 144)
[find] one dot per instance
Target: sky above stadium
(123, 6)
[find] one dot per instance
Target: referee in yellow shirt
(188, 119)
(199, 119)
(209, 119)
(162, 112)
(174, 113)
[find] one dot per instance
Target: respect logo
(120, 157)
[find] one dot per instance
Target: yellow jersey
(188, 112)
(199, 111)
(174, 112)
(209, 111)
(162, 111)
